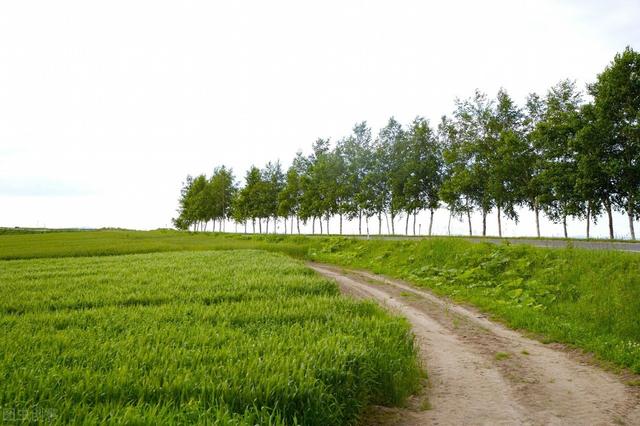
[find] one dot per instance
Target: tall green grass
(235, 337)
(590, 299)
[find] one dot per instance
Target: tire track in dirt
(483, 373)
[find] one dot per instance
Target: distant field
(112, 242)
(234, 337)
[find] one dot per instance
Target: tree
(388, 176)
(272, 185)
(467, 156)
(507, 157)
(555, 139)
(355, 154)
(220, 192)
(454, 174)
(250, 198)
(531, 188)
(184, 221)
(594, 177)
(289, 197)
(424, 164)
(616, 94)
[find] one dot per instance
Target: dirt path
(481, 373)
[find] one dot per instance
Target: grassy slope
(590, 299)
(238, 337)
(587, 298)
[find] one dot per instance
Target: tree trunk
(499, 223)
(379, 223)
(607, 206)
(431, 221)
(367, 221)
(414, 223)
(484, 223)
(588, 219)
(266, 231)
(328, 225)
(406, 225)
(245, 226)
(449, 224)
(469, 220)
(320, 222)
(285, 226)
(254, 225)
(564, 225)
(536, 210)
(298, 224)
(386, 219)
(260, 224)
(340, 223)
(313, 225)
(359, 222)
(393, 226)
(630, 215)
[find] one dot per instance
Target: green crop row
(234, 337)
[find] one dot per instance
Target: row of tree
(556, 154)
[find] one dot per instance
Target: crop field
(589, 299)
(226, 337)
(202, 325)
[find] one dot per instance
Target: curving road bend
(481, 373)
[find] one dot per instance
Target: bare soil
(482, 373)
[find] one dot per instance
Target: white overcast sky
(105, 107)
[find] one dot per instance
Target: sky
(105, 107)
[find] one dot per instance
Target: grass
(589, 299)
(114, 242)
(500, 356)
(234, 337)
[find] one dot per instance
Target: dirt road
(481, 373)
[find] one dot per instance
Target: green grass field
(588, 299)
(233, 337)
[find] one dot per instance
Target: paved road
(551, 243)
(590, 245)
